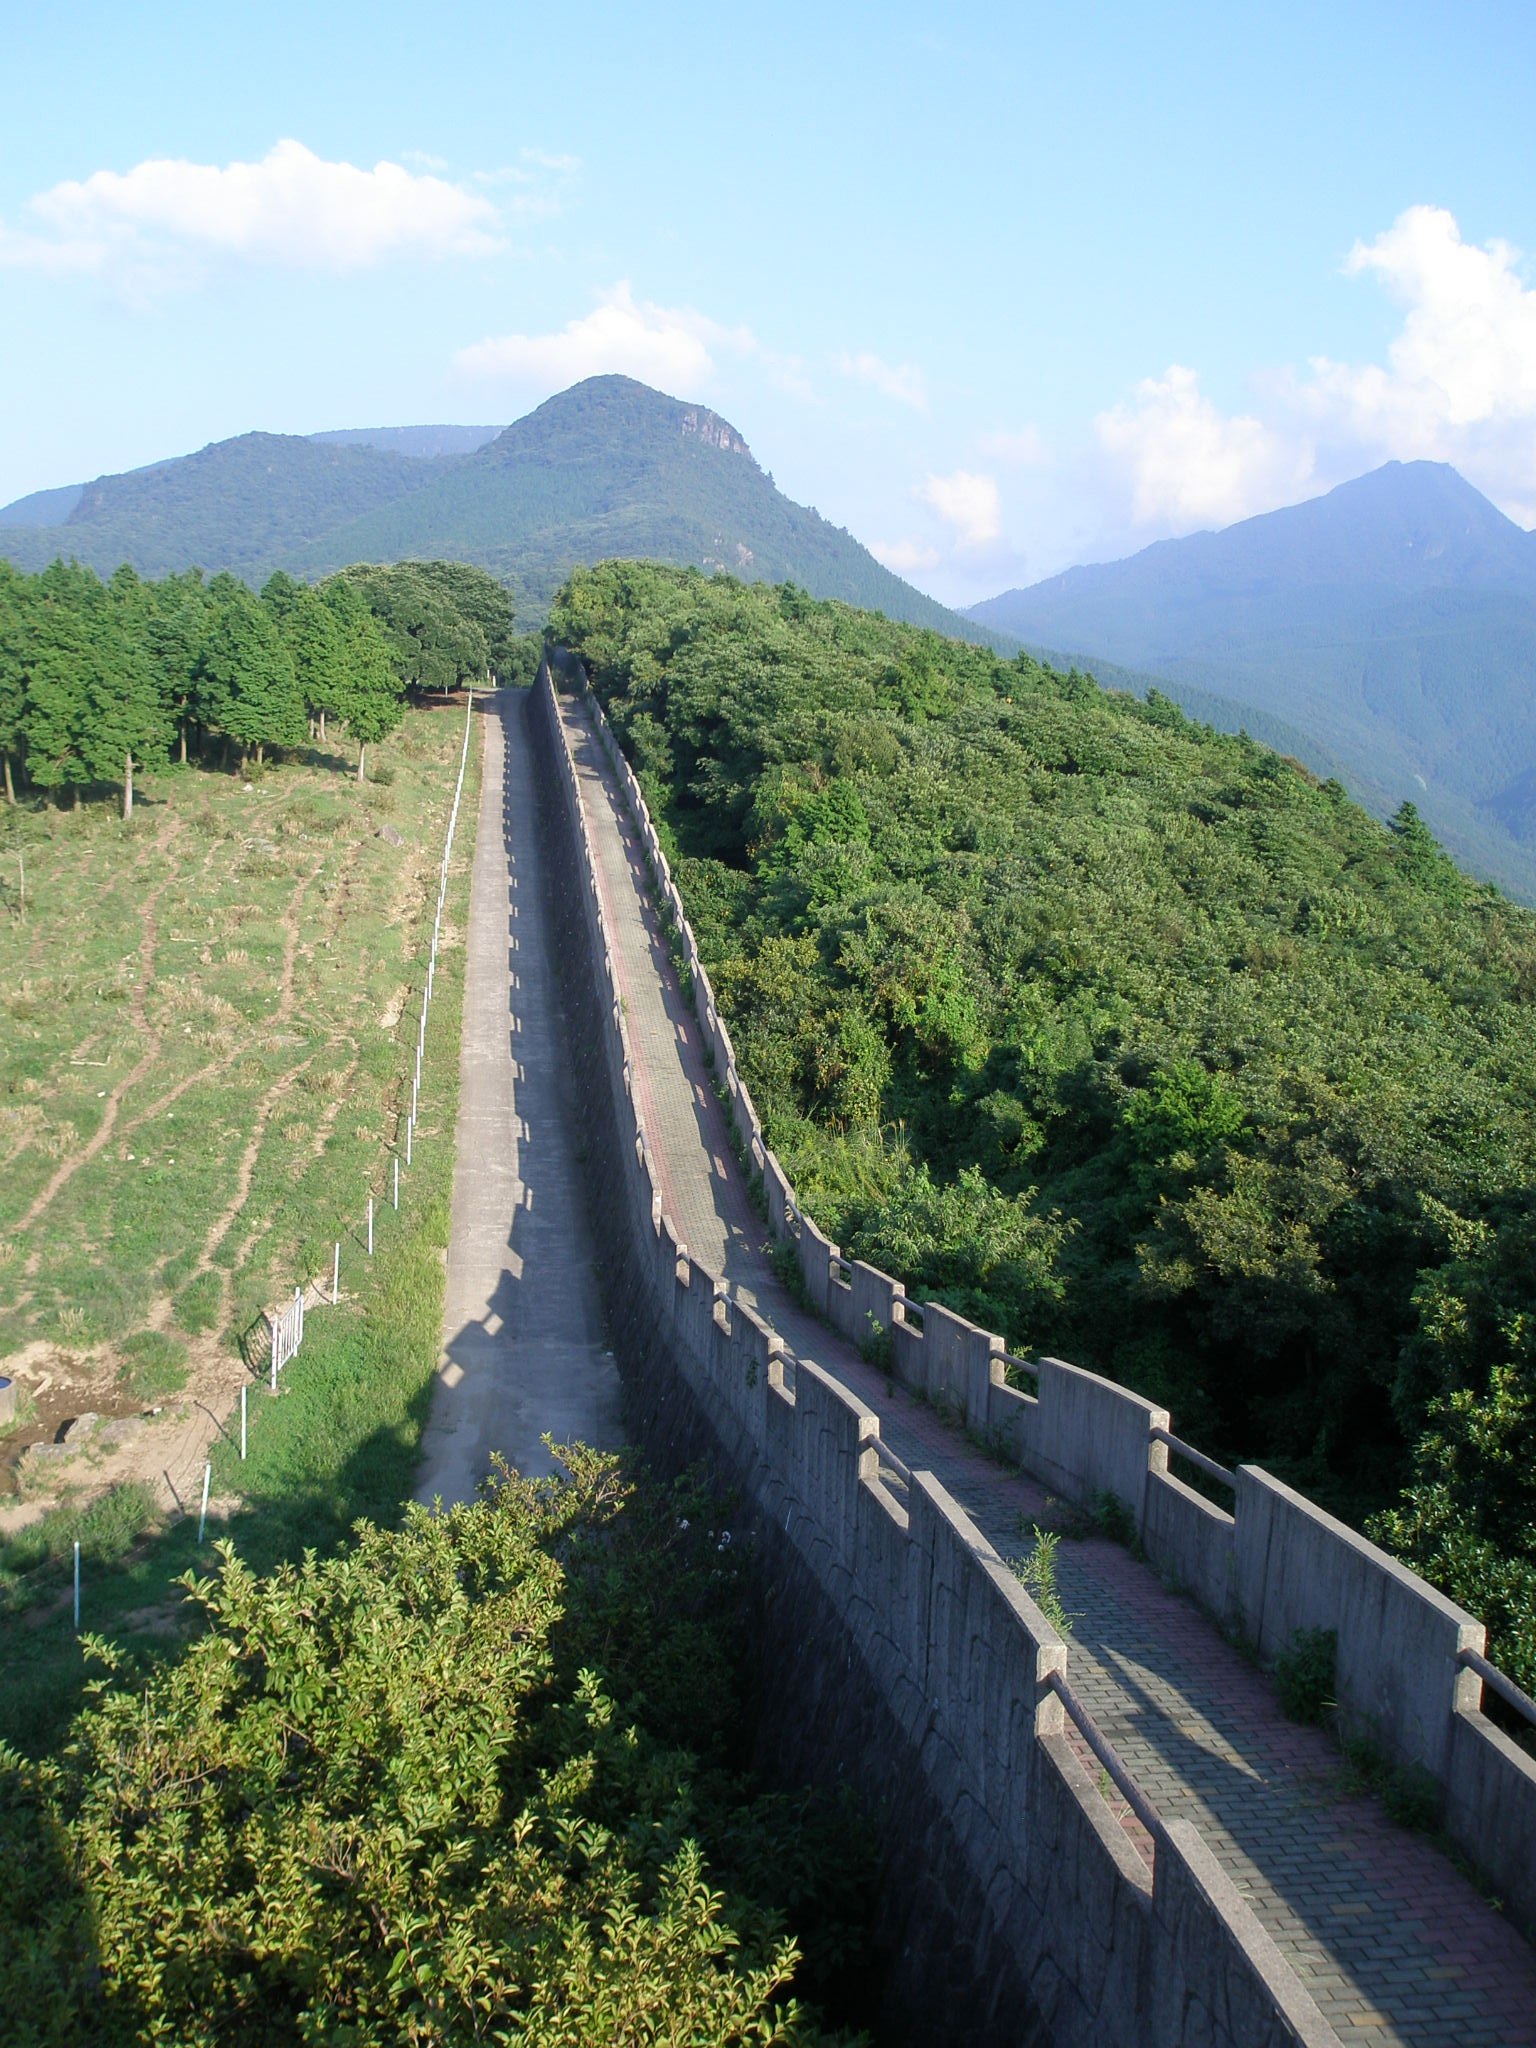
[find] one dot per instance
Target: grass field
(209, 1026)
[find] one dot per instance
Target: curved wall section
(912, 1660)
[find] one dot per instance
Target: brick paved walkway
(1388, 1936)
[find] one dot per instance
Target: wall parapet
(975, 1675)
(1276, 1564)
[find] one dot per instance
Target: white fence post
(397, 1180)
(409, 1127)
(370, 1226)
(203, 1516)
(336, 1273)
(242, 1425)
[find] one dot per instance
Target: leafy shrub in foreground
(435, 1788)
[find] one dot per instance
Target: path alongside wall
(1391, 1939)
(523, 1345)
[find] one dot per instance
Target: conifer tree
(315, 644)
(373, 690)
(246, 685)
(13, 598)
(173, 636)
(90, 702)
(126, 716)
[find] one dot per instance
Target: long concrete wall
(1054, 1904)
(1273, 1566)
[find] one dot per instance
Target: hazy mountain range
(1391, 625)
(1385, 633)
(609, 467)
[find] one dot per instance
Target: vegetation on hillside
(476, 1778)
(1128, 1038)
(97, 679)
(1392, 620)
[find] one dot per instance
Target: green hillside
(1393, 621)
(1121, 1035)
(607, 468)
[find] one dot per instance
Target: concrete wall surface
(1029, 1897)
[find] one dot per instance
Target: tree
(316, 646)
(371, 691)
(92, 703)
(129, 717)
(173, 636)
(13, 675)
(436, 646)
(246, 685)
(458, 1783)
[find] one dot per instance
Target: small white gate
(287, 1333)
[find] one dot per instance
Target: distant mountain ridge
(609, 467)
(1393, 622)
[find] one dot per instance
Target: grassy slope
(119, 1239)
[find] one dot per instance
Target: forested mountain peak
(604, 416)
(609, 467)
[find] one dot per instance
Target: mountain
(421, 442)
(609, 467)
(1392, 622)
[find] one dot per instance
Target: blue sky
(999, 289)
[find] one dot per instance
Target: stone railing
(976, 1678)
(1410, 1664)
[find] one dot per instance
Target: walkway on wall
(523, 1350)
(1392, 1941)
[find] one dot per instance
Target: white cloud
(968, 502)
(1187, 463)
(292, 207)
(1024, 449)
(563, 164)
(1459, 383)
(905, 557)
(668, 346)
(903, 382)
(675, 347)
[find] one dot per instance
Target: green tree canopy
(467, 1780)
(247, 688)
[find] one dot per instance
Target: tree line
(1127, 1038)
(98, 679)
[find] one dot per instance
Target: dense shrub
(470, 1779)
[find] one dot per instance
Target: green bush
(1112, 1517)
(1305, 1676)
(471, 1778)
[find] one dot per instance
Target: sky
(999, 289)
